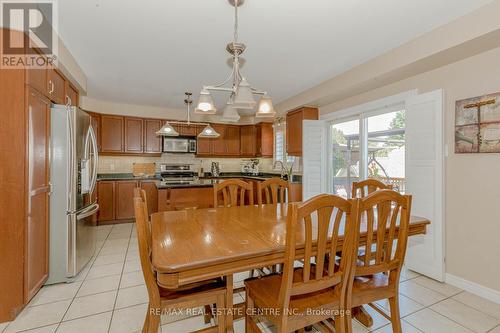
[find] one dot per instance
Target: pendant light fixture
(168, 130)
(208, 132)
(241, 92)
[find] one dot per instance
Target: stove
(177, 173)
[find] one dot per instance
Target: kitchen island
(199, 193)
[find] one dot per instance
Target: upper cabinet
(232, 140)
(227, 144)
(72, 95)
(129, 136)
(56, 86)
(265, 140)
(257, 140)
(133, 135)
(95, 120)
(152, 141)
(112, 134)
(121, 135)
(294, 121)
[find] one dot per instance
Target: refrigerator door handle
(71, 161)
(95, 156)
(88, 212)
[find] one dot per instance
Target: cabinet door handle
(51, 89)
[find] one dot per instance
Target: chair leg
(145, 327)
(339, 324)
(221, 315)
(395, 317)
(154, 323)
(208, 314)
(250, 325)
(347, 320)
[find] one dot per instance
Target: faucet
(282, 168)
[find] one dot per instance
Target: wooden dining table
(195, 245)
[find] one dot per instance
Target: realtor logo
(36, 20)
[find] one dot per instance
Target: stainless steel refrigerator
(73, 206)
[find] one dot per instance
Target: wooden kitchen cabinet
(265, 140)
(152, 141)
(25, 185)
(56, 86)
(257, 140)
(116, 199)
(248, 142)
(203, 147)
(124, 199)
(112, 128)
(219, 144)
(232, 140)
(95, 120)
(294, 121)
(133, 133)
(37, 233)
(106, 200)
(37, 79)
(185, 130)
(72, 94)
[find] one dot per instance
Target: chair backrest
(140, 193)
(324, 219)
(368, 186)
(234, 192)
(272, 191)
(144, 242)
(384, 218)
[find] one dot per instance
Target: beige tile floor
(110, 296)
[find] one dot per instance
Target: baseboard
(474, 288)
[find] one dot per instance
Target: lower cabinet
(124, 199)
(116, 199)
(106, 200)
(185, 198)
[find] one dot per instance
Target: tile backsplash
(123, 164)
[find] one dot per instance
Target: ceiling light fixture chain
(241, 92)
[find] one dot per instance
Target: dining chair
(234, 193)
(161, 299)
(363, 188)
(300, 297)
(272, 191)
(385, 215)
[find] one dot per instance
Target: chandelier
(241, 92)
(169, 130)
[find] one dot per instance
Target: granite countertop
(197, 183)
(296, 179)
(207, 180)
(125, 176)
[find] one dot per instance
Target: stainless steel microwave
(179, 145)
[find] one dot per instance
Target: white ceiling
(149, 52)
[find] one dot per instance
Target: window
(369, 146)
(280, 144)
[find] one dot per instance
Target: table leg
(362, 316)
(229, 303)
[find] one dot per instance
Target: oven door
(171, 145)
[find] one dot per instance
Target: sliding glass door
(346, 156)
(370, 146)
